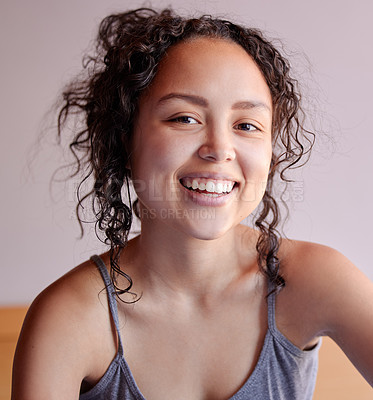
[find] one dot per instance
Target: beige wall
(41, 43)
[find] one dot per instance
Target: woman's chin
(207, 231)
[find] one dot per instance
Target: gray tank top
(283, 371)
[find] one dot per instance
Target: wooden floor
(11, 319)
(337, 378)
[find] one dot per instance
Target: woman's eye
(184, 119)
(245, 126)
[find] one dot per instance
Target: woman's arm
(332, 298)
(56, 348)
(348, 311)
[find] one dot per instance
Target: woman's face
(202, 139)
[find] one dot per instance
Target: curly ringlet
(129, 49)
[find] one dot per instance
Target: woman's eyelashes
(189, 120)
(184, 119)
(246, 127)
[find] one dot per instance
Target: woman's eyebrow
(247, 105)
(197, 100)
(201, 101)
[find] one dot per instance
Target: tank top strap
(272, 325)
(271, 303)
(110, 290)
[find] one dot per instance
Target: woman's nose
(217, 146)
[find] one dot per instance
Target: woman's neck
(167, 261)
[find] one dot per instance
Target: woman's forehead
(210, 67)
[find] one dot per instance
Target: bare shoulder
(315, 269)
(331, 297)
(312, 260)
(57, 346)
(321, 277)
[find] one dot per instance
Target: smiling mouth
(208, 187)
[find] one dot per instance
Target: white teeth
(212, 187)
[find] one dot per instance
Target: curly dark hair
(128, 51)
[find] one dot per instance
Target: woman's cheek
(256, 169)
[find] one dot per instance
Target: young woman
(200, 115)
